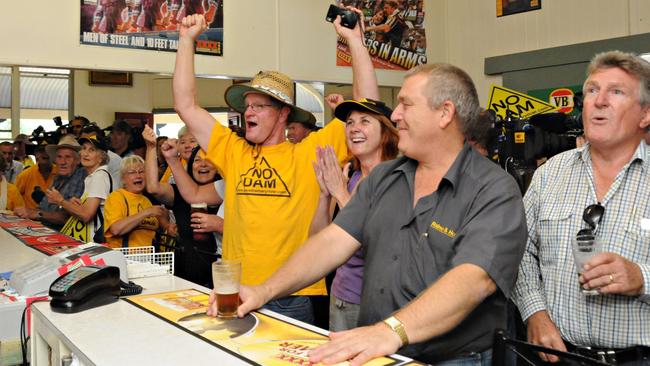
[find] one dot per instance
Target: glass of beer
(226, 275)
(201, 207)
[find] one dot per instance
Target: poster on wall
(507, 7)
(149, 24)
(394, 35)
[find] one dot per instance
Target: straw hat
(274, 84)
(67, 141)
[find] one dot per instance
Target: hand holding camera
(350, 17)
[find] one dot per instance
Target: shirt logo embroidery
(262, 180)
(442, 229)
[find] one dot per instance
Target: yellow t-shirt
(116, 209)
(168, 173)
(27, 162)
(28, 179)
(14, 199)
(270, 198)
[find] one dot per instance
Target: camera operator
(77, 124)
(13, 167)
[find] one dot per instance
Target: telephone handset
(85, 288)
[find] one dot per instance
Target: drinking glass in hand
(584, 248)
(226, 275)
(200, 207)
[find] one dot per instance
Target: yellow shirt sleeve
(14, 199)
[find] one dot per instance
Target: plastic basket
(145, 262)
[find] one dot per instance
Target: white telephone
(37, 276)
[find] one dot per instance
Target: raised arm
(163, 192)
(197, 119)
(364, 80)
(189, 189)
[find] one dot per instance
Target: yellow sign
(519, 104)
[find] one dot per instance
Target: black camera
(348, 17)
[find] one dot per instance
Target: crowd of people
(427, 238)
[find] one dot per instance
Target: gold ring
(611, 278)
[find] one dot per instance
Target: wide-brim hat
(97, 143)
(67, 141)
(343, 110)
(274, 84)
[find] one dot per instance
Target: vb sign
(503, 100)
(562, 99)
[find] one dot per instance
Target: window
(309, 96)
(5, 103)
(44, 94)
(167, 123)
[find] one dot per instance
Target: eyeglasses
(256, 107)
(132, 172)
(592, 215)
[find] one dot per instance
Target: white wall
(99, 103)
(292, 36)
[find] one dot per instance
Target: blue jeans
(296, 307)
(476, 359)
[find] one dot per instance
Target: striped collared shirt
(548, 279)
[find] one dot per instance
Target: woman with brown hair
(371, 138)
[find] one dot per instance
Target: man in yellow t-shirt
(271, 188)
(41, 175)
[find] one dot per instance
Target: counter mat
(258, 339)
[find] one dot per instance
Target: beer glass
(584, 247)
(226, 275)
(201, 207)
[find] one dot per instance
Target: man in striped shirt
(611, 170)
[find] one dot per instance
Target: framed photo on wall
(507, 7)
(110, 78)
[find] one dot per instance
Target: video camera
(42, 137)
(522, 141)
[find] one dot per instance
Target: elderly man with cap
(69, 181)
(271, 189)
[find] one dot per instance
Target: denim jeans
(343, 315)
(296, 307)
(476, 359)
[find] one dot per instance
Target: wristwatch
(396, 326)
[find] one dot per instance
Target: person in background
(162, 163)
(114, 160)
(41, 176)
(10, 198)
(186, 143)
(130, 218)
(87, 212)
(69, 182)
(77, 124)
(192, 257)
(20, 150)
(371, 138)
(610, 172)
(121, 133)
(13, 167)
(297, 131)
